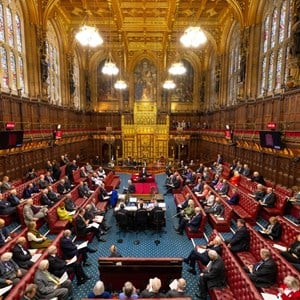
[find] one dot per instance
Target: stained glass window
(54, 86)
(274, 52)
(12, 54)
(234, 65)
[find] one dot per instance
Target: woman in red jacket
(290, 290)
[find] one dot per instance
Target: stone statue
(242, 67)
(44, 68)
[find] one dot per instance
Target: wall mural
(184, 85)
(105, 85)
(145, 81)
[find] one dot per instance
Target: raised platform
(146, 188)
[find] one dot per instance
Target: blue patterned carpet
(171, 244)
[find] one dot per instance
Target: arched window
(12, 50)
(234, 65)
(274, 50)
(76, 77)
(54, 88)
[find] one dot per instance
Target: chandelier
(193, 37)
(89, 36)
(169, 85)
(110, 67)
(177, 68)
(120, 84)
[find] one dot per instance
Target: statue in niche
(44, 68)
(71, 81)
(243, 67)
(202, 89)
(145, 80)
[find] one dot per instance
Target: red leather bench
(277, 210)
(247, 208)
(77, 178)
(222, 224)
(111, 181)
(283, 190)
(253, 255)
(247, 185)
(55, 225)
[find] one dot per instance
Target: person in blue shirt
(99, 291)
(129, 292)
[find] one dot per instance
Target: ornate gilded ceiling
(152, 24)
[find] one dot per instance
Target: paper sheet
(82, 245)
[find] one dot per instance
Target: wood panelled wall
(82, 133)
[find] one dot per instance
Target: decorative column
(294, 55)
(44, 64)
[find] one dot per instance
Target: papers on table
(201, 250)
(98, 219)
(82, 245)
(268, 296)
(71, 213)
(162, 205)
(63, 278)
(173, 284)
(35, 257)
(132, 199)
(72, 260)
(94, 224)
(5, 289)
(280, 247)
(122, 196)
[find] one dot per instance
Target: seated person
(202, 254)
(143, 175)
(6, 185)
(63, 214)
(55, 197)
(99, 291)
(83, 172)
(68, 183)
(204, 192)
(234, 198)
(33, 212)
(83, 190)
(49, 178)
(45, 200)
(152, 289)
(96, 180)
(58, 266)
(21, 254)
(35, 239)
(128, 292)
(217, 209)
(215, 181)
(273, 230)
(179, 291)
(259, 192)
(209, 200)
(103, 194)
(89, 215)
(10, 272)
(130, 188)
(30, 190)
(184, 204)
(174, 184)
(42, 183)
(193, 223)
(61, 187)
(5, 207)
(114, 252)
(4, 233)
(89, 168)
(269, 199)
(205, 174)
(223, 188)
(199, 186)
(290, 289)
(246, 170)
(69, 203)
(212, 277)
(30, 292)
(263, 273)
(256, 177)
(101, 172)
(69, 249)
(240, 241)
(48, 285)
(14, 199)
(292, 254)
(31, 174)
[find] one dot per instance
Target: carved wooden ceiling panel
(149, 24)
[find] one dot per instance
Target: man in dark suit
(241, 239)
(69, 203)
(217, 208)
(61, 188)
(4, 234)
(143, 175)
(82, 191)
(269, 198)
(82, 226)
(179, 291)
(213, 277)
(256, 177)
(234, 199)
(69, 249)
(5, 207)
(193, 223)
(273, 231)
(45, 200)
(58, 266)
(263, 274)
(52, 195)
(21, 255)
(130, 188)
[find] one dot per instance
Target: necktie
(259, 265)
(52, 277)
(2, 235)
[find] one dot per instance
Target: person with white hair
(128, 292)
(202, 255)
(49, 286)
(33, 212)
(213, 277)
(179, 291)
(290, 289)
(152, 289)
(99, 291)
(10, 272)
